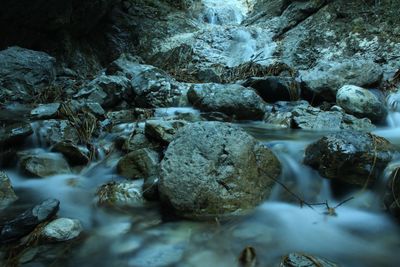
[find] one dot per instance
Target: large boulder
(212, 169)
(326, 78)
(361, 102)
(231, 99)
(25, 73)
(352, 157)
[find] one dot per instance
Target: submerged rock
(140, 163)
(303, 260)
(361, 102)
(62, 229)
(26, 222)
(213, 169)
(14, 134)
(120, 194)
(25, 73)
(7, 194)
(231, 99)
(44, 164)
(352, 157)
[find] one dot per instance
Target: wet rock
(233, 99)
(46, 111)
(14, 134)
(361, 102)
(300, 115)
(302, 260)
(161, 130)
(51, 132)
(150, 87)
(150, 188)
(326, 78)
(274, 88)
(26, 222)
(121, 194)
(351, 157)
(392, 194)
(107, 90)
(213, 169)
(129, 115)
(25, 73)
(140, 163)
(138, 141)
(44, 164)
(75, 155)
(7, 194)
(62, 229)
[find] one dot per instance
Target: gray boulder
(7, 194)
(44, 164)
(361, 102)
(212, 169)
(326, 78)
(231, 99)
(25, 73)
(149, 87)
(351, 157)
(106, 90)
(141, 163)
(301, 115)
(62, 229)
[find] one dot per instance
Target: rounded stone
(361, 102)
(62, 229)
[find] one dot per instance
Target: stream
(355, 233)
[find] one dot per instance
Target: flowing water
(358, 234)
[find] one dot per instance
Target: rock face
(213, 169)
(326, 78)
(25, 72)
(62, 229)
(352, 157)
(361, 102)
(24, 223)
(233, 99)
(7, 194)
(44, 164)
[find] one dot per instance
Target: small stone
(46, 111)
(140, 163)
(120, 194)
(163, 131)
(62, 229)
(302, 260)
(44, 164)
(75, 155)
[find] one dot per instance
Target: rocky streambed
(212, 133)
